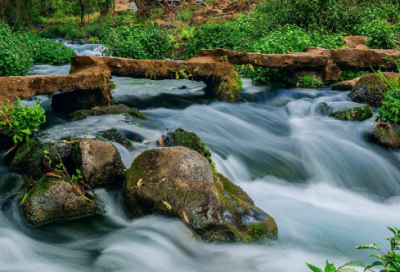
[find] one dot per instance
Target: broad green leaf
(354, 263)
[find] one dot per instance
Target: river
(327, 187)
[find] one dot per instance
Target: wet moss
(229, 88)
(111, 110)
(181, 137)
(386, 135)
(359, 113)
(53, 199)
(115, 135)
(29, 158)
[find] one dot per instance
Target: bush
(211, 35)
(389, 111)
(19, 121)
(138, 43)
(47, 51)
(15, 56)
(310, 81)
(380, 34)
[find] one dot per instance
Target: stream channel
(327, 187)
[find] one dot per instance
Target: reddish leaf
(161, 141)
(184, 217)
(53, 175)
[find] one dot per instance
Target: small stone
(114, 135)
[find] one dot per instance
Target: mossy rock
(11, 184)
(114, 135)
(179, 182)
(53, 199)
(181, 137)
(227, 88)
(110, 110)
(369, 88)
(358, 113)
(386, 135)
(101, 163)
(29, 157)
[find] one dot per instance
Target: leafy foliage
(310, 81)
(351, 74)
(15, 57)
(47, 51)
(380, 34)
(390, 109)
(390, 261)
(138, 43)
(19, 121)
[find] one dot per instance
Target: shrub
(352, 74)
(389, 111)
(19, 121)
(47, 51)
(15, 56)
(211, 35)
(310, 81)
(380, 34)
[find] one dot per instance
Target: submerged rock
(179, 182)
(117, 109)
(386, 135)
(53, 199)
(322, 108)
(369, 89)
(181, 137)
(114, 135)
(11, 184)
(359, 113)
(101, 163)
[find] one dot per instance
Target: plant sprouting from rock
(310, 81)
(20, 121)
(390, 110)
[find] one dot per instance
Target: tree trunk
(82, 10)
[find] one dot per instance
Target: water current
(327, 187)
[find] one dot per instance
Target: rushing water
(327, 187)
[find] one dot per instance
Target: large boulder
(178, 181)
(369, 88)
(386, 135)
(110, 110)
(53, 199)
(359, 113)
(101, 163)
(181, 137)
(114, 135)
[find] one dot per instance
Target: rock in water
(101, 163)
(369, 89)
(114, 135)
(53, 199)
(386, 135)
(181, 137)
(359, 113)
(177, 179)
(109, 110)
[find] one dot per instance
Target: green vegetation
(390, 261)
(19, 121)
(351, 74)
(389, 111)
(310, 81)
(20, 50)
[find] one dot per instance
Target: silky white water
(327, 187)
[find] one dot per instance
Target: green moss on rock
(29, 158)
(53, 199)
(386, 135)
(181, 137)
(359, 113)
(176, 180)
(110, 110)
(114, 135)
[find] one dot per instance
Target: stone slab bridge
(90, 76)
